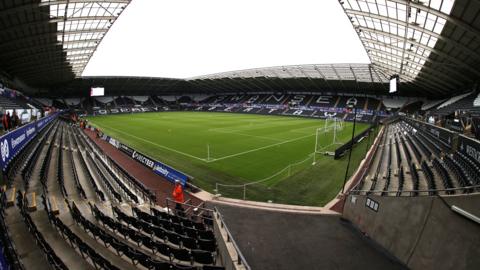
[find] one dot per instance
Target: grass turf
(242, 148)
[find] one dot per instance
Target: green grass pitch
(234, 149)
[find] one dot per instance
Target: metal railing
(192, 211)
(414, 192)
(287, 170)
(465, 214)
(240, 258)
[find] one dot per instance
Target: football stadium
(239, 135)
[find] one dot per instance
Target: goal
(328, 136)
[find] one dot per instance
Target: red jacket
(5, 121)
(178, 193)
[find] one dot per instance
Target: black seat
(83, 248)
(188, 242)
(181, 254)
(208, 245)
(159, 214)
(107, 239)
(135, 223)
(160, 265)
(107, 265)
(149, 243)
(136, 237)
(139, 257)
(208, 235)
(178, 229)
(166, 224)
(173, 238)
(187, 223)
(123, 230)
(119, 247)
(157, 221)
(163, 249)
(183, 267)
(212, 267)
(147, 228)
(191, 232)
(203, 257)
(175, 219)
(159, 232)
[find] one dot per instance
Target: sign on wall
(13, 142)
(159, 168)
(372, 204)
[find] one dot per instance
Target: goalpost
(331, 124)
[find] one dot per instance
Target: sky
(188, 38)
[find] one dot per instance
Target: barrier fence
(158, 167)
(14, 141)
(263, 185)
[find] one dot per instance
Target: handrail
(241, 258)
(414, 191)
(466, 214)
(189, 207)
(369, 158)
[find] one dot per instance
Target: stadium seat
(181, 254)
(203, 257)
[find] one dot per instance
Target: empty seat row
(105, 181)
(176, 234)
(50, 254)
(85, 250)
(430, 178)
(126, 175)
(415, 178)
(60, 173)
(444, 175)
(7, 246)
(24, 159)
(89, 176)
(47, 160)
(158, 217)
(73, 168)
(139, 257)
(132, 196)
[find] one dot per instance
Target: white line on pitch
(260, 148)
(220, 130)
(156, 144)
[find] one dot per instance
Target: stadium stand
(413, 162)
(368, 109)
(59, 157)
(462, 102)
(72, 197)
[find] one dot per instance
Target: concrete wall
(422, 232)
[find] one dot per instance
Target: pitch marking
(211, 159)
(260, 148)
(156, 144)
(221, 130)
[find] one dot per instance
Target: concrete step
(10, 194)
(32, 201)
(53, 205)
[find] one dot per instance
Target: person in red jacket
(178, 192)
(178, 197)
(6, 121)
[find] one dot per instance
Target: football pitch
(223, 150)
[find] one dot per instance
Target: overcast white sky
(186, 38)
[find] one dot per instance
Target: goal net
(328, 137)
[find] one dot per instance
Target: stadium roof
(360, 78)
(46, 42)
(327, 77)
(432, 44)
